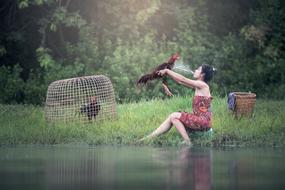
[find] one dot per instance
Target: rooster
(154, 74)
(91, 109)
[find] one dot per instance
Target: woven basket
(244, 103)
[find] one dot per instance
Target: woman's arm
(182, 80)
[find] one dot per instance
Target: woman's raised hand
(162, 72)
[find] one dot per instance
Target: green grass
(25, 124)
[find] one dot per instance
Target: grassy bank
(22, 124)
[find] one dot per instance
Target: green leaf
(53, 27)
(23, 4)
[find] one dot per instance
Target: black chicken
(154, 74)
(91, 109)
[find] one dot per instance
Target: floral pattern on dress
(201, 117)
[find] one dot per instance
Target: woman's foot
(140, 141)
(186, 144)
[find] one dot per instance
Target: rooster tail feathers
(145, 78)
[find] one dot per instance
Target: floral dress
(200, 119)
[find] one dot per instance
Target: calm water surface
(109, 167)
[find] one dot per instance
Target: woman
(200, 119)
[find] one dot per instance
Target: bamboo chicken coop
(84, 99)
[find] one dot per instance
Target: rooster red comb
(174, 57)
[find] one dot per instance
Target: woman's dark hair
(209, 71)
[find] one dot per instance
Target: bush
(12, 86)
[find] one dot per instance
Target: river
(136, 167)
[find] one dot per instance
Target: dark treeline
(46, 40)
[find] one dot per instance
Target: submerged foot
(186, 144)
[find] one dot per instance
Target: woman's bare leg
(181, 129)
(164, 127)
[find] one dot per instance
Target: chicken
(154, 74)
(91, 109)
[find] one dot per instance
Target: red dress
(200, 119)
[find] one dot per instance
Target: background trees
(46, 40)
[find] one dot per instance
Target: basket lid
(244, 94)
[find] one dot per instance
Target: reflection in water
(139, 168)
(190, 169)
(202, 170)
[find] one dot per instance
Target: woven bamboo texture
(81, 99)
(244, 103)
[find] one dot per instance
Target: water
(107, 167)
(181, 67)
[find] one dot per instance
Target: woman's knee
(175, 115)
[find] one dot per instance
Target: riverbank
(25, 124)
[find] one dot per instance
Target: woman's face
(198, 73)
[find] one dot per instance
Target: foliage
(11, 87)
(46, 40)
